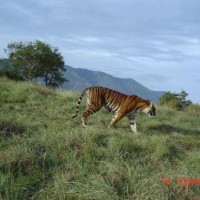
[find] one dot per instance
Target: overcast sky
(155, 42)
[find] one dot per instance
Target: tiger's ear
(148, 102)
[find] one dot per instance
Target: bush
(193, 109)
(175, 100)
(175, 103)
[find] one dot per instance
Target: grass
(44, 154)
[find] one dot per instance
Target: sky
(155, 42)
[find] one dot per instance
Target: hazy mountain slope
(79, 79)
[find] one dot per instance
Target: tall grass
(44, 154)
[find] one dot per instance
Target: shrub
(175, 100)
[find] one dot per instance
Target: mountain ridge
(80, 78)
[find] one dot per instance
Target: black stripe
(115, 109)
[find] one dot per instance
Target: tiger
(116, 102)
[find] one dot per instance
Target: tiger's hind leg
(116, 118)
(84, 121)
(91, 109)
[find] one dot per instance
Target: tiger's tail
(78, 104)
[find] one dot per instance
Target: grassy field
(44, 154)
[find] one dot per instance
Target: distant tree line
(33, 60)
(175, 100)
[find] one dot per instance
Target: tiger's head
(149, 108)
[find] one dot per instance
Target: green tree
(182, 96)
(167, 97)
(175, 100)
(6, 69)
(31, 60)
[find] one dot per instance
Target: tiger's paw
(84, 123)
(110, 126)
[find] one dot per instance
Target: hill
(44, 154)
(79, 79)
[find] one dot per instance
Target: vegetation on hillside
(44, 154)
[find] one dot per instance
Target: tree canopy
(175, 100)
(32, 60)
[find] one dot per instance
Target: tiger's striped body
(120, 104)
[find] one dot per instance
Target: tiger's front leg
(133, 126)
(133, 123)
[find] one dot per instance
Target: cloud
(14, 12)
(93, 52)
(151, 41)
